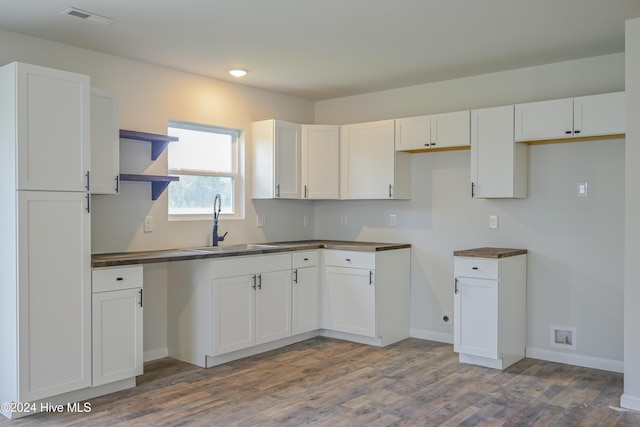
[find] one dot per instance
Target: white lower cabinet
(117, 324)
(490, 310)
(367, 294)
(227, 308)
(251, 301)
(351, 301)
(305, 292)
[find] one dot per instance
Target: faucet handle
(221, 238)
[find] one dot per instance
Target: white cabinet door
(413, 133)
(367, 160)
(433, 132)
(305, 306)
(599, 114)
(476, 314)
(320, 161)
(450, 130)
(105, 142)
(544, 120)
(117, 335)
(54, 293)
(498, 163)
(273, 306)
(287, 160)
(53, 129)
(351, 301)
(233, 313)
(276, 160)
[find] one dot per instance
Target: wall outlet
(446, 319)
(261, 221)
(392, 220)
(344, 220)
(148, 224)
(493, 221)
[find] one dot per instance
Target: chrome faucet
(217, 204)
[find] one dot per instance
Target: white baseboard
(155, 353)
(630, 402)
(432, 336)
(576, 359)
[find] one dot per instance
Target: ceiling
(323, 49)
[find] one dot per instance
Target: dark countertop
(148, 257)
(490, 252)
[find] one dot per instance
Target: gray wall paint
(575, 245)
(631, 396)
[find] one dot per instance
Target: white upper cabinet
(369, 165)
(320, 161)
(498, 163)
(276, 160)
(433, 132)
(52, 127)
(594, 115)
(599, 114)
(105, 142)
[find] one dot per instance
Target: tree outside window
(206, 161)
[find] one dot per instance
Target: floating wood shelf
(158, 142)
(158, 183)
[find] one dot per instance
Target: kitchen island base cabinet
(490, 310)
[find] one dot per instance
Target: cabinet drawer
(304, 259)
(237, 266)
(353, 259)
(480, 268)
(116, 278)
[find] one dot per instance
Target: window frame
(237, 174)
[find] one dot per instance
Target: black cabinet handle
(253, 286)
(259, 281)
(119, 279)
(474, 268)
(295, 276)
(568, 132)
(117, 184)
(473, 187)
(576, 131)
(370, 277)
(140, 292)
(455, 286)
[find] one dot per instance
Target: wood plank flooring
(326, 382)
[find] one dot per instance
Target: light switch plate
(393, 220)
(261, 221)
(583, 190)
(493, 221)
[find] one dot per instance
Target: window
(206, 161)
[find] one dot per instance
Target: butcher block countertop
(490, 252)
(148, 257)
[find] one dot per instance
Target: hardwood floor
(326, 382)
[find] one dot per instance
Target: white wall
(631, 396)
(149, 96)
(575, 262)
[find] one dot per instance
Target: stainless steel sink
(227, 248)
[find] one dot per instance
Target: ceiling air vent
(88, 16)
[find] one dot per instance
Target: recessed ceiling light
(238, 73)
(88, 16)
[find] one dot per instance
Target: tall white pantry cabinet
(45, 288)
